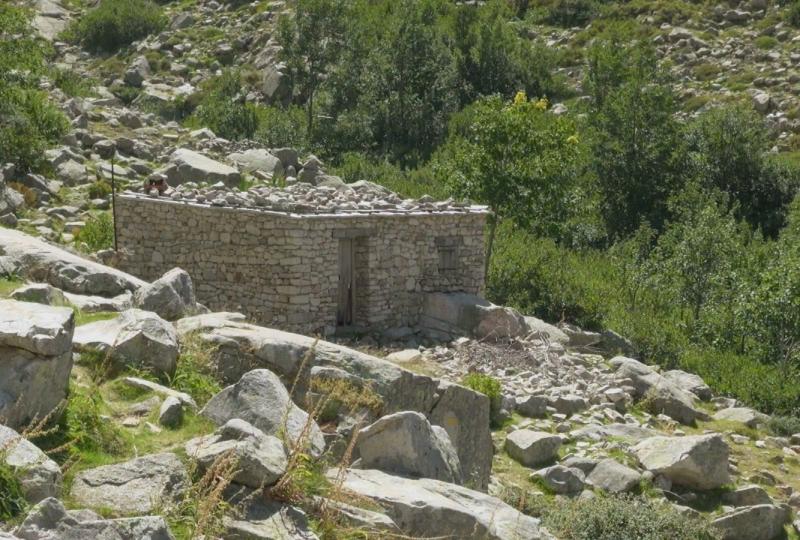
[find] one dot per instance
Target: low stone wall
(282, 270)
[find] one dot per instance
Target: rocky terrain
(128, 411)
(399, 447)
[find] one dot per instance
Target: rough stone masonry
(283, 269)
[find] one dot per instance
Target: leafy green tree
(311, 42)
(517, 158)
(698, 254)
(728, 147)
(636, 147)
(494, 59)
(29, 123)
(774, 307)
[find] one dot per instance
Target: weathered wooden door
(347, 284)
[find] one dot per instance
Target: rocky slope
(306, 439)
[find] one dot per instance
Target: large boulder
(261, 399)
(761, 522)
(36, 359)
(135, 338)
(464, 415)
(259, 519)
(432, 508)
(39, 476)
(696, 462)
(532, 448)
(689, 382)
(40, 293)
(191, 166)
(625, 432)
(36, 260)
(239, 347)
(405, 443)
(40, 329)
(561, 480)
(171, 296)
(662, 395)
(462, 314)
(537, 328)
(743, 415)
(49, 520)
(141, 485)
(612, 476)
(257, 160)
(261, 459)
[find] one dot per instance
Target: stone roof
(358, 198)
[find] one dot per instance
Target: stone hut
(308, 259)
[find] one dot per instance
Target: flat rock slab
(761, 522)
(136, 486)
(431, 508)
(266, 520)
(36, 260)
(38, 328)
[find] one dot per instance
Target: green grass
(82, 317)
(765, 42)
(8, 285)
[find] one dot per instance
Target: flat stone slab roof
(359, 198)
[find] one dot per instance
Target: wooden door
(347, 289)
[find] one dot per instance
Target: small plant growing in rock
(488, 386)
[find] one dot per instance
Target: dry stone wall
(282, 269)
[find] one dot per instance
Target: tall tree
(636, 144)
(311, 41)
(515, 157)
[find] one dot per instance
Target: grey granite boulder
(743, 415)
(171, 296)
(760, 522)
(39, 476)
(405, 443)
(611, 476)
(49, 520)
(35, 360)
(137, 486)
(191, 166)
(261, 399)
(261, 459)
(432, 509)
(135, 338)
(532, 448)
(696, 462)
(561, 480)
(36, 260)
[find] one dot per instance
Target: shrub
(784, 426)
(765, 42)
(98, 233)
(223, 109)
(612, 518)
(117, 23)
(488, 386)
(100, 189)
(281, 127)
(29, 123)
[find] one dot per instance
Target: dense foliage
(29, 123)
(117, 23)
